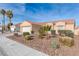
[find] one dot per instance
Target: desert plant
(32, 32)
(26, 33)
(48, 28)
(67, 41)
(53, 32)
(55, 45)
(68, 33)
(28, 37)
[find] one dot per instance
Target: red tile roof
(17, 25)
(64, 20)
(41, 23)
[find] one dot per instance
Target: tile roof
(41, 23)
(17, 24)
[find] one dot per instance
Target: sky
(41, 12)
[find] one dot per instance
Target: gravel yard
(44, 45)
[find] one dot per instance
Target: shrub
(41, 31)
(32, 32)
(53, 32)
(68, 33)
(28, 37)
(55, 45)
(26, 33)
(68, 41)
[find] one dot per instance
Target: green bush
(67, 41)
(53, 32)
(55, 45)
(32, 32)
(68, 33)
(26, 33)
(28, 37)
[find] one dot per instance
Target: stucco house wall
(56, 25)
(70, 27)
(76, 31)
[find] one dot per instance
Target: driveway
(9, 47)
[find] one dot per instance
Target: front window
(61, 27)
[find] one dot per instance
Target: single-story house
(67, 24)
(29, 26)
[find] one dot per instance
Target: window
(61, 27)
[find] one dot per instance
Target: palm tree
(9, 14)
(3, 12)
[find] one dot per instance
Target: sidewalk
(13, 48)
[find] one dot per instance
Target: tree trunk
(10, 24)
(3, 24)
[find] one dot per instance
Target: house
(29, 26)
(67, 24)
(76, 30)
(17, 27)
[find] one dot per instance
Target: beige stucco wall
(57, 24)
(70, 27)
(76, 31)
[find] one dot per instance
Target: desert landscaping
(52, 44)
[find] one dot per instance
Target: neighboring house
(76, 31)
(62, 25)
(17, 27)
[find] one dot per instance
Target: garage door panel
(27, 29)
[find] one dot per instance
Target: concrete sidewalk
(13, 48)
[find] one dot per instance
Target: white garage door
(27, 29)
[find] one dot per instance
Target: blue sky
(42, 12)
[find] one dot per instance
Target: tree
(9, 14)
(3, 12)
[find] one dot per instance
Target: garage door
(27, 29)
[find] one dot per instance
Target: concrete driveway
(9, 47)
